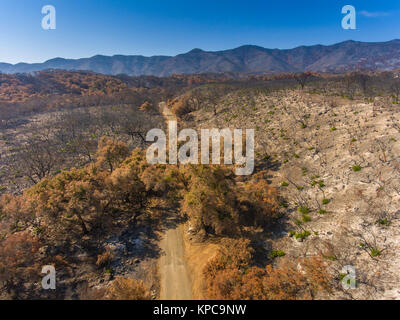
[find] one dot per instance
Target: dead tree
(303, 78)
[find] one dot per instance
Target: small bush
(284, 184)
(303, 209)
(356, 168)
(306, 218)
(302, 235)
(331, 258)
(284, 204)
(104, 259)
(383, 222)
(325, 201)
(297, 222)
(109, 271)
(375, 252)
(320, 183)
(277, 253)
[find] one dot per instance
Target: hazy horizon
(170, 28)
(149, 56)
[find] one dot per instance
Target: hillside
(335, 163)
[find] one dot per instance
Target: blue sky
(149, 27)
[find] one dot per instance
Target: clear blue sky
(170, 27)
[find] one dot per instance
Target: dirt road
(175, 281)
(166, 112)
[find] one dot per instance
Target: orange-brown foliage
(18, 260)
(111, 153)
(127, 289)
(230, 275)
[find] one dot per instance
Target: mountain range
(344, 56)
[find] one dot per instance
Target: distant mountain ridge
(348, 55)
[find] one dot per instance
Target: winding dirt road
(175, 281)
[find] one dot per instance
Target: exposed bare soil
(336, 163)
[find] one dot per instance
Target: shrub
(303, 209)
(226, 280)
(258, 203)
(320, 183)
(104, 259)
(109, 271)
(146, 106)
(80, 201)
(18, 262)
(331, 258)
(383, 222)
(375, 252)
(180, 106)
(211, 201)
(356, 168)
(111, 153)
(298, 222)
(325, 201)
(277, 253)
(302, 235)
